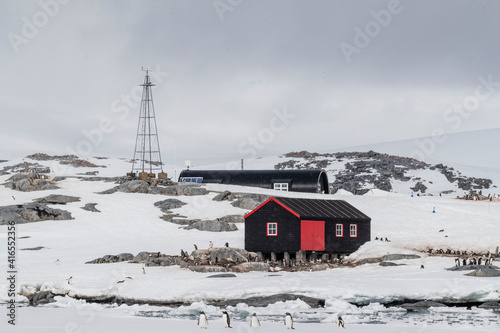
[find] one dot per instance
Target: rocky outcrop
(247, 201)
(32, 212)
(421, 305)
(208, 269)
(485, 271)
(90, 207)
(222, 196)
(140, 186)
(232, 219)
(42, 297)
(263, 301)
(250, 267)
(212, 225)
(28, 182)
(57, 199)
(112, 258)
(167, 204)
(363, 171)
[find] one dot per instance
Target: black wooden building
(312, 180)
(291, 225)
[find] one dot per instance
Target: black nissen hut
(313, 181)
(305, 226)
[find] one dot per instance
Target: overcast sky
(239, 78)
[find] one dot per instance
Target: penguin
(464, 262)
(13, 198)
(57, 262)
(210, 245)
(289, 321)
(121, 281)
(254, 321)
(70, 280)
(376, 238)
(195, 247)
(143, 270)
(479, 261)
(226, 320)
(422, 267)
(227, 244)
(202, 320)
(457, 262)
(340, 322)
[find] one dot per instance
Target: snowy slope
(131, 223)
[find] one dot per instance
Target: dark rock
(214, 226)
(25, 183)
(167, 204)
(222, 196)
(395, 256)
(140, 186)
(57, 199)
(42, 297)
(232, 219)
(419, 186)
(387, 264)
(112, 258)
(471, 267)
(490, 305)
(91, 208)
(33, 248)
(222, 275)
(263, 301)
(485, 271)
(422, 305)
(228, 254)
(207, 269)
(31, 212)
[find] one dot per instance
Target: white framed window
(353, 230)
(272, 229)
(281, 186)
(339, 230)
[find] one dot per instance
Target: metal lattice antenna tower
(147, 155)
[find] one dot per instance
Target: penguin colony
(254, 321)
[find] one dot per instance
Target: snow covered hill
(50, 252)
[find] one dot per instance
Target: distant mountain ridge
(359, 172)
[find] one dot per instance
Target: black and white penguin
(457, 262)
(479, 261)
(254, 322)
(195, 247)
(227, 244)
(289, 321)
(202, 320)
(340, 322)
(70, 280)
(13, 198)
(143, 270)
(57, 262)
(464, 262)
(210, 245)
(226, 320)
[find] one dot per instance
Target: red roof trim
(272, 199)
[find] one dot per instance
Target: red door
(312, 235)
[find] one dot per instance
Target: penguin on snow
(254, 322)
(226, 320)
(340, 322)
(202, 320)
(289, 321)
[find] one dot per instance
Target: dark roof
(319, 208)
(308, 180)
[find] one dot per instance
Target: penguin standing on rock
(202, 320)
(254, 322)
(289, 321)
(226, 320)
